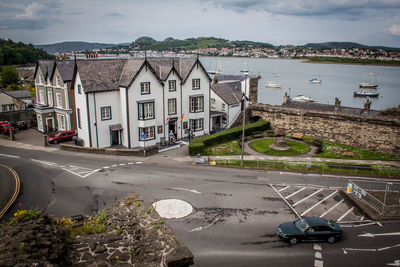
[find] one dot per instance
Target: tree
(9, 75)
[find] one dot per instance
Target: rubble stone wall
(378, 133)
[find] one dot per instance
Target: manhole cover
(173, 208)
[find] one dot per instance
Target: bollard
(12, 135)
(45, 142)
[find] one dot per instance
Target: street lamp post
(244, 117)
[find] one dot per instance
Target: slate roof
(66, 68)
(19, 93)
(100, 75)
(229, 92)
(310, 106)
(46, 66)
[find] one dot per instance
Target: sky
(278, 22)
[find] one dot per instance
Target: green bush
(198, 145)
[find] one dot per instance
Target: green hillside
(12, 53)
(347, 45)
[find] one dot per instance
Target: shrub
(198, 145)
(25, 215)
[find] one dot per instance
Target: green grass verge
(319, 167)
(224, 149)
(296, 148)
(337, 151)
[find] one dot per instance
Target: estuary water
(338, 80)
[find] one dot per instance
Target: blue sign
(143, 136)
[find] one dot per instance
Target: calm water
(338, 80)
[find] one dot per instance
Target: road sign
(143, 136)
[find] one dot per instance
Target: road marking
(188, 190)
(318, 263)
(122, 164)
(345, 214)
(316, 192)
(130, 163)
(106, 167)
(345, 250)
(10, 156)
(16, 192)
(298, 191)
(332, 208)
(395, 263)
(287, 203)
(202, 228)
(48, 163)
(318, 203)
(115, 165)
(382, 234)
(283, 189)
(139, 162)
(317, 247)
(378, 223)
(318, 255)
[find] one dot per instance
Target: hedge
(198, 145)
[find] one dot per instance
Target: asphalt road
(236, 211)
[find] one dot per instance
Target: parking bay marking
(316, 192)
(311, 208)
(294, 193)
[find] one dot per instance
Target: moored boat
(302, 98)
(366, 93)
(371, 84)
(315, 81)
(273, 85)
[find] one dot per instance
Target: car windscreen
(57, 134)
(302, 225)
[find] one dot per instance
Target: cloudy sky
(279, 22)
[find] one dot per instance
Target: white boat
(273, 85)
(302, 98)
(275, 74)
(245, 70)
(372, 83)
(366, 93)
(315, 81)
(214, 72)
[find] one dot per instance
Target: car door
(322, 232)
(310, 234)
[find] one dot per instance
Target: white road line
(106, 167)
(332, 208)
(139, 162)
(316, 192)
(10, 156)
(318, 263)
(115, 165)
(298, 191)
(318, 255)
(362, 218)
(378, 223)
(122, 164)
(295, 212)
(202, 228)
(283, 189)
(344, 215)
(318, 203)
(188, 190)
(130, 163)
(45, 162)
(91, 173)
(65, 169)
(317, 247)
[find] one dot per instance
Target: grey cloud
(346, 8)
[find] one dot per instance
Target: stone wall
(372, 132)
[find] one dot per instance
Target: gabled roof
(46, 66)
(229, 92)
(66, 68)
(100, 75)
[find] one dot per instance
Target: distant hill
(18, 53)
(347, 45)
(74, 46)
(148, 43)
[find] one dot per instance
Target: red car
(5, 128)
(61, 137)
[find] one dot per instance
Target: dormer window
(40, 79)
(145, 88)
(57, 81)
(195, 84)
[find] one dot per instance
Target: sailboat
(372, 83)
(245, 71)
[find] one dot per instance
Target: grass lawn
(224, 149)
(337, 151)
(296, 148)
(318, 167)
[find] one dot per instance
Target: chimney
(367, 106)
(286, 98)
(337, 103)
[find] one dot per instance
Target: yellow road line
(16, 192)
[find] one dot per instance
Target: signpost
(143, 137)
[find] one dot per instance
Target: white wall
(124, 133)
(80, 102)
(169, 95)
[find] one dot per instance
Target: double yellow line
(16, 192)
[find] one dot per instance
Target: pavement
(31, 139)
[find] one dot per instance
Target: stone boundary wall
(111, 151)
(378, 133)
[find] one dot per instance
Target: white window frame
(57, 81)
(145, 88)
(59, 100)
(40, 122)
(223, 106)
(50, 100)
(195, 84)
(172, 85)
(105, 113)
(150, 133)
(196, 104)
(79, 89)
(61, 122)
(196, 124)
(146, 111)
(171, 106)
(78, 117)
(41, 96)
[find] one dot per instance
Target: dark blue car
(310, 229)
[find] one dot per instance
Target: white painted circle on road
(173, 208)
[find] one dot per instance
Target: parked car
(20, 125)
(310, 229)
(62, 136)
(5, 128)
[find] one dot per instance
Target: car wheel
(293, 240)
(331, 240)
(55, 141)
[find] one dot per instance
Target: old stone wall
(372, 132)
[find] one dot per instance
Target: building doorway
(172, 127)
